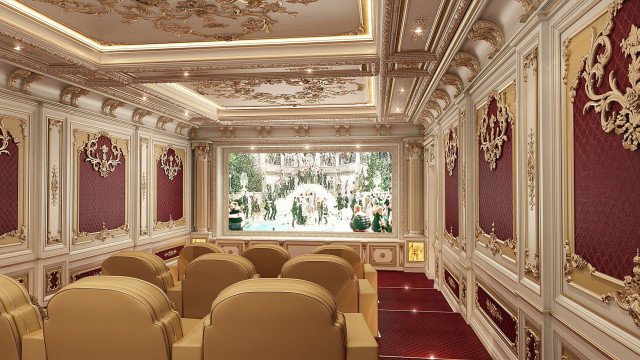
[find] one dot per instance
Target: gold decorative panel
(416, 251)
(14, 154)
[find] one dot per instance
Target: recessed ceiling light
(358, 146)
(17, 47)
(309, 70)
(307, 147)
(144, 97)
(186, 73)
(418, 28)
(402, 90)
(253, 148)
(397, 109)
(186, 113)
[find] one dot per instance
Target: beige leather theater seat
(278, 319)
(336, 275)
(361, 269)
(207, 276)
(144, 266)
(108, 318)
(192, 252)
(267, 258)
(19, 320)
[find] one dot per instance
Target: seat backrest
(18, 317)
(206, 276)
(331, 272)
(140, 265)
(192, 252)
(267, 258)
(283, 319)
(346, 252)
(111, 317)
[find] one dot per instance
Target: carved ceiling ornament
(492, 131)
(100, 158)
(28, 77)
(110, 106)
(139, 114)
(434, 106)
(471, 62)
(311, 90)
(254, 16)
(626, 121)
(489, 32)
(452, 80)
(530, 6)
(71, 94)
(451, 149)
(162, 122)
(440, 94)
(171, 164)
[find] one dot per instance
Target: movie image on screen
(310, 192)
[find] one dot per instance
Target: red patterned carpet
(433, 331)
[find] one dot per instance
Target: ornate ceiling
(244, 62)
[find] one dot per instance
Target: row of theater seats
(229, 312)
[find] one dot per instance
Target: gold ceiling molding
(98, 157)
(492, 131)
(626, 121)
(26, 76)
(360, 30)
(629, 298)
(181, 127)
(139, 115)
(255, 16)
(471, 62)
(530, 6)
(434, 106)
(71, 94)
(440, 94)
(454, 80)
(110, 106)
(489, 32)
(162, 122)
(311, 90)
(451, 149)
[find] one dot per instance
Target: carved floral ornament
(451, 149)
(213, 17)
(308, 90)
(171, 164)
(4, 139)
(626, 120)
(492, 130)
(104, 159)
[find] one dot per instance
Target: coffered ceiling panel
(138, 22)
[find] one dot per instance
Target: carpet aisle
(416, 322)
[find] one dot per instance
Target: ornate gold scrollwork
(531, 339)
(494, 244)
(574, 261)
(629, 298)
(171, 164)
(626, 121)
(54, 185)
(254, 16)
(99, 161)
(451, 149)
(4, 139)
(531, 168)
(492, 131)
(493, 311)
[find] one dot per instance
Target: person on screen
(386, 217)
(294, 212)
(235, 217)
(376, 224)
(360, 222)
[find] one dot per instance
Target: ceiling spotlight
(397, 109)
(186, 113)
(418, 29)
(17, 47)
(144, 97)
(186, 73)
(402, 90)
(358, 146)
(307, 147)
(309, 70)
(253, 147)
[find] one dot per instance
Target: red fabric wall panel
(498, 315)
(9, 188)
(452, 283)
(101, 200)
(169, 192)
(451, 218)
(606, 181)
(495, 187)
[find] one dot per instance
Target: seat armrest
(190, 346)
(173, 269)
(361, 345)
(33, 346)
(175, 296)
(372, 275)
(368, 305)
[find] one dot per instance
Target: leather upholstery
(267, 258)
(111, 317)
(207, 276)
(346, 252)
(192, 252)
(331, 272)
(18, 317)
(275, 319)
(140, 265)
